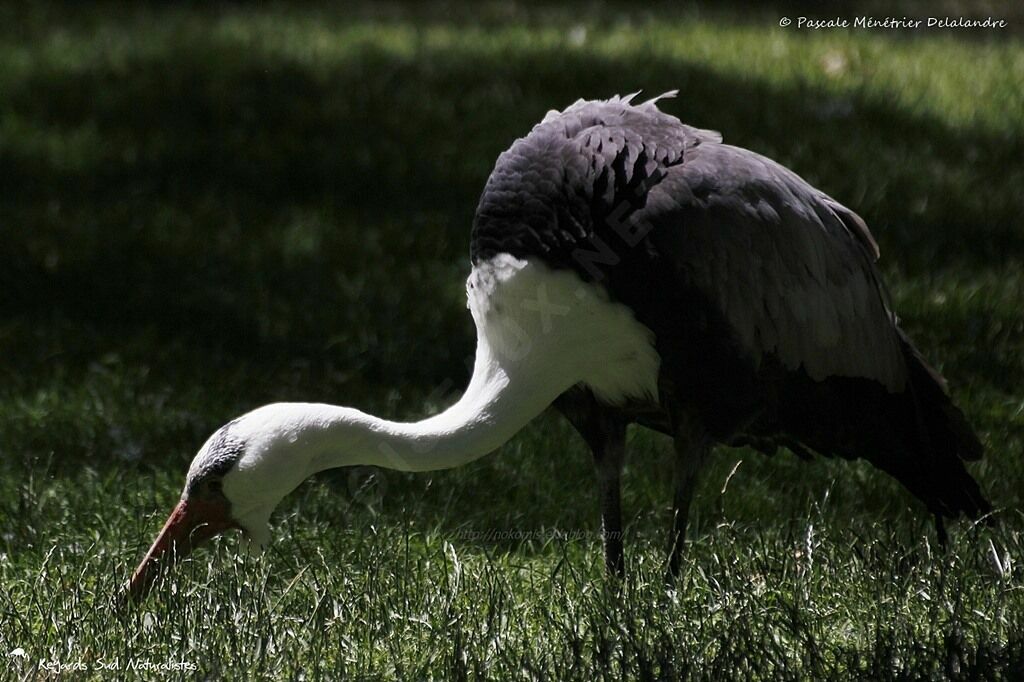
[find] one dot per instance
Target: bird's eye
(214, 486)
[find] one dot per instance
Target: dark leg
(691, 450)
(609, 456)
(605, 432)
(940, 531)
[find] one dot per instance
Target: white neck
(539, 332)
(498, 402)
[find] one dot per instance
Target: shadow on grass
(191, 184)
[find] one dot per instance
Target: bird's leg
(691, 450)
(940, 531)
(609, 455)
(605, 432)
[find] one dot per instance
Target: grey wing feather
(791, 268)
(542, 195)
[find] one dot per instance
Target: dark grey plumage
(770, 318)
(223, 452)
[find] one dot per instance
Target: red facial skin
(194, 521)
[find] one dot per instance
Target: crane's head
(235, 481)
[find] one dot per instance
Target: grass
(208, 209)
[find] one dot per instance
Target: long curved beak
(192, 523)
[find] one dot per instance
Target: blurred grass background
(207, 208)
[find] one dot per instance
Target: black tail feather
(943, 420)
(944, 440)
(916, 435)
